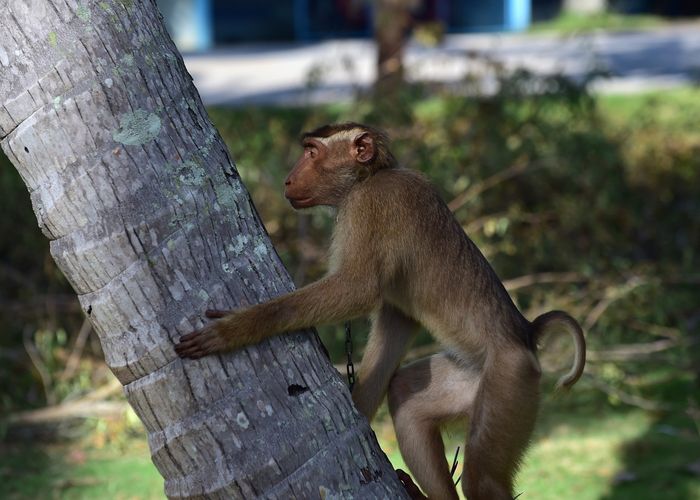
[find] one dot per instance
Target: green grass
(570, 23)
(615, 453)
(68, 471)
(579, 452)
(673, 111)
(622, 456)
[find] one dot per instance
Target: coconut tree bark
(149, 221)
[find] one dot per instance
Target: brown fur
(398, 253)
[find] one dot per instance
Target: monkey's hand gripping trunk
(333, 299)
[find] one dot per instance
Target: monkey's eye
(311, 152)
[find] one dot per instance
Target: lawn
(72, 471)
(612, 454)
(576, 24)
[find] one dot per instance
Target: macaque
(399, 255)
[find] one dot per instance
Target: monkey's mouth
(301, 202)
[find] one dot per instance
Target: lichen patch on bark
(137, 128)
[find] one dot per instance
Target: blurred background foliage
(581, 202)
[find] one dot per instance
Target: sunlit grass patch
(584, 461)
(69, 471)
(571, 23)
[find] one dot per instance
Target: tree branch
(629, 399)
(629, 352)
(90, 405)
(39, 365)
(518, 168)
(538, 278)
(77, 351)
(613, 295)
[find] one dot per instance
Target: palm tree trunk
(149, 221)
(392, 25)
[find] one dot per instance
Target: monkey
(399, 255)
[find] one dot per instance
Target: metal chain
(348, 352)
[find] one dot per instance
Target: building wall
(236, 21)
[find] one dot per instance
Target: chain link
(348, 352)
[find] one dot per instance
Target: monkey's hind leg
(391, 333)
(422, 396)
(503, 418)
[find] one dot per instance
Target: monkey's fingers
(189, 344)
(201, 343)
(192, 351)
(413, 491)
(191, 336)
(216, 313)
(184, 350)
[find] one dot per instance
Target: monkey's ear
(363, 148)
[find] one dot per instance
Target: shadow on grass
(28, 471)
(655, 465)
(659, 463)
(651, 454)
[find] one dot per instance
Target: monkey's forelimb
(216, 313)
(332, 299)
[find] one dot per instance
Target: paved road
(281, 73)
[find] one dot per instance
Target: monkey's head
(335, 158)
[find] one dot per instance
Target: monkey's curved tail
(551, 319)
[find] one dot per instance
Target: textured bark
(149, 221)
